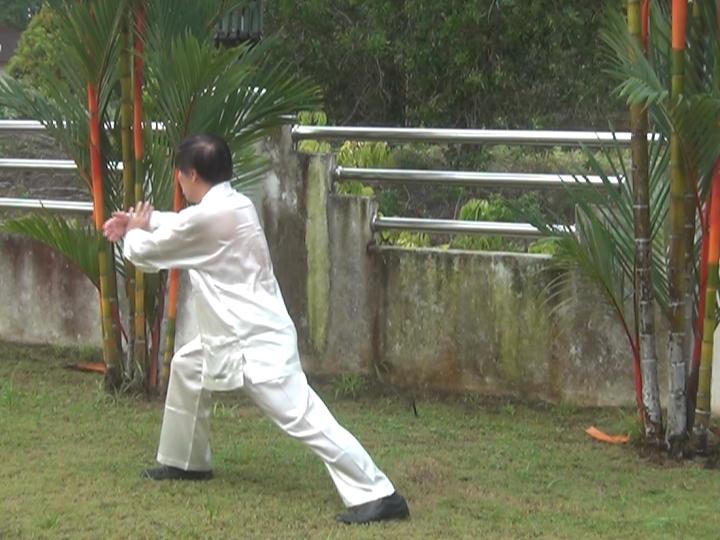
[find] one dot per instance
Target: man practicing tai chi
(246, 337)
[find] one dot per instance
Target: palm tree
(683, 106)
(181, 80)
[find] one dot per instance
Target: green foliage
(36, 59)
(460, 63)
(313, 118)
(405, 239)
(353, 187)
(7, 113)
(496, 209)
(545, 160)
(601, 247)
(349, 386)
(428, 157)
(544, 246)
(365, 155)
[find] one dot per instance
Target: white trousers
(290, 403)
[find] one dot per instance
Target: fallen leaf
(93, 367)
(595, 433)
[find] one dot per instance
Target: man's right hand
(115, 228)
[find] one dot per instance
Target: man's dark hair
(208, 154)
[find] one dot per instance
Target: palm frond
(232, 93)
(88, 37)
(639, 83)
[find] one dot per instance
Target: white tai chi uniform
(247, 340)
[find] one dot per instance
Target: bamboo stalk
(140, 351)
(173, 290)
(702, 408)
(646, 366)
(126, 117)
(109, 327)
(676, 434)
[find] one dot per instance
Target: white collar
(217, 192)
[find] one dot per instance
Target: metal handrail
(46, 165)
(45, 204)
(463, 136)
(465, 178)
(19, 126)
(38, 164)
(447, 226)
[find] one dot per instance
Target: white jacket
(244, 325)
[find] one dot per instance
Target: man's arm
(160, 219)
(116, 227)
(184, 240)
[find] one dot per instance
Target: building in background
(242, 25)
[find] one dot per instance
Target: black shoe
(166, 472)
(390, 507)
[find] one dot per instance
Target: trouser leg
(297, 410)
(185, 434)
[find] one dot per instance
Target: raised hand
(116, 227)
(140, 216)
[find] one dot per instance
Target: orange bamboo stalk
(173, 291)
(679, 27)
(139, 150)
(98, 192)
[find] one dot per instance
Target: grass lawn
(71, 457)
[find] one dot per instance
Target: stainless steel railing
(470, 179)
(7, 203)
(452, 136)
(449, 226)
(462, 136)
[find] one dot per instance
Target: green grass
(71, 457)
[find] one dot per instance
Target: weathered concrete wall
(43, 298)
(483, 321)
(432, 318)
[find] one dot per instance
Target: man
(246, 337)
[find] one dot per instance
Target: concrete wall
(43, 298)
(428, 318)
(449, 320)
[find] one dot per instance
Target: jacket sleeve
(158, 219)
(184, 241)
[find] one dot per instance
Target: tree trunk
(126, 103)
(111, 354)
(173, 289)
(650, 405)
(140, 352)
(702, 407)
(677, 400)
